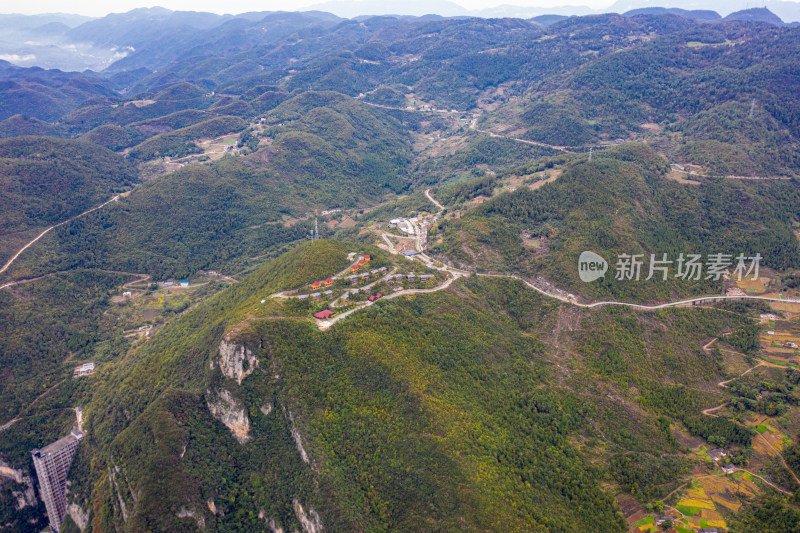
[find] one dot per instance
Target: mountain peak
(756, 14)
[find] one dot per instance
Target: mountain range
(327, 273)
(71, 42)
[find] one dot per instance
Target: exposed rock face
(24, 498)
(122, 507)
(298, 439)
(311, 522)
(273, 526)
(266, 408)
(230, 411)
(78, 515)
(188, 513)
(235, 361)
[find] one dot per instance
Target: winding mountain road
(549, 291)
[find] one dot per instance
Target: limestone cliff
(231, 412)
(235, 361)
(24, 498)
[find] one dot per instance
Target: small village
(367, 280)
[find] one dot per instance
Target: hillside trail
(19, 415)
(42, 234)
(779, 453)
(433, 200)
(128, 284)
(724, 383)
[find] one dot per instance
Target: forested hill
(44, 181)
(622, 203)
(326, 151)
(719, 95)
(442, 412)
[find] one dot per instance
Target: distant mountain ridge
(119, 40)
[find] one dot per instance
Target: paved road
(325, 324)
(550, 292)
(526, 141)
(571, 299)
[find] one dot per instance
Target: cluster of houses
(717, 454)
(355, 278)
(327, 313)
(361, 262)
(316, 295)
(319, 284)
(392, 278)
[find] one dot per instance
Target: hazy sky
(99, 8)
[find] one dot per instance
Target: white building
(86, 369)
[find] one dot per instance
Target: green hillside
(445, 411)
(44, 181)
(622, 203)
(220, 215)
(179, 142)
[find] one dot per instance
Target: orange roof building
(329, 282)
(316, 285)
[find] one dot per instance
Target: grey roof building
(52, 464)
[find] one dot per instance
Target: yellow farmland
(694, 502)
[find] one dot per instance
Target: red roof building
(375, 297)
(329, 282)
(316, 285)
(323, 315)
